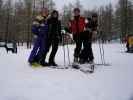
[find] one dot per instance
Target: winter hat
(76, 9)
(94, 15)
(53, 12)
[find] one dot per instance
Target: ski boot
(91, 62)
(43, 63)
(52, 63)
(75, 63)
(34, 63)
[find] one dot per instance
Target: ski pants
(86, 52)
(54, 43)
(38, 49)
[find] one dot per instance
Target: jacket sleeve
(49, 26)
(70, 26)
(35, 27)
(60, 35)
(36, 24)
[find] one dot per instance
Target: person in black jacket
(54, 37)
(86, 55)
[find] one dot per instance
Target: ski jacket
(77, 25)
(54, 28)
(94, 25)
(40, 26)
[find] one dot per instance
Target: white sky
(87, 4)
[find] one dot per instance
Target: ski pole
(101, 53)
(68, 52)
(63, 46)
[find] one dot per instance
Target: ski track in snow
(18, 81)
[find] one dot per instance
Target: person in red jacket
(77, 26)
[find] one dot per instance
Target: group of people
(47, 32)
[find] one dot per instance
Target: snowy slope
(18, 81)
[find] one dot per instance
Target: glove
(35, 36)
(94, 34)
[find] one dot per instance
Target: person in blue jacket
(40, 31)
(54, 38)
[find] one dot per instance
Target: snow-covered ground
(18, 81)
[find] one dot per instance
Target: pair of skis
(85, 68)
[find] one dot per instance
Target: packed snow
(18, 81)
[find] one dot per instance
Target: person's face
(76, 13)
(55, 15)
(94, 18)
(45, 12)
